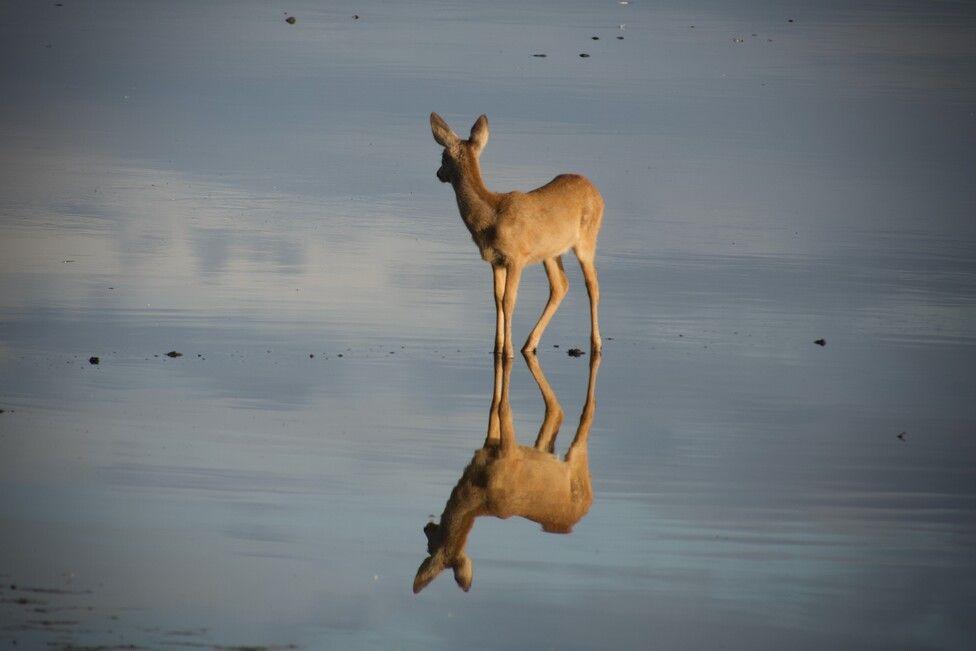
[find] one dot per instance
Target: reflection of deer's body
(515, 229)
(506, 479)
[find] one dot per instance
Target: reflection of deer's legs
(506, 424)
(558, 286)
(493, 435)
(578, 447)
(546, 438)
(498, 273)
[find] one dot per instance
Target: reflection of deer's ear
(479, 134)
(426, 573)
(463, 571)
(442, 133)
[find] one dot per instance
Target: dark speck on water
(291, 20)
(174, 353)
(93, 360)
(584, 55)
(821, 342)
(575, 352)
(539, 56)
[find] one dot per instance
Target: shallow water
(211, 180)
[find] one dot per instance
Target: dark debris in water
(174, 353)
(820, 342)
(93, 360)
(291, 20)
(575, 352)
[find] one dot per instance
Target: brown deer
(515, 229)
(505, 479)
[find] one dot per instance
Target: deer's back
(547, 221)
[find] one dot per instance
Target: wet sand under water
(215, 181)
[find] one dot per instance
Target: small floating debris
(738, 39)
(355, 16)
(902, 436)
(291, 20)
(620, 38)
(820, 342)
(174, 353)
(539, 56)
(311, 355)
(575, 352)
(93, 360)
(595, 38)
(584, 55)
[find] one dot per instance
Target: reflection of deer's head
(506, 479)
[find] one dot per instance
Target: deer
(515, 229)
(505, 479)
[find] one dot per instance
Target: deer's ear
(463, 572)
(479, 133)
(442, 133)
(427, 572)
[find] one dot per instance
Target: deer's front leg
(513, 274)
(498, 272)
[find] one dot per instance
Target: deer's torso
(529, 227)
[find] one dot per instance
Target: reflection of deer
(506, 479)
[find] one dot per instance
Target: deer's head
(459, 155)
(441, 558)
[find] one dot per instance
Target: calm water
(204, 177)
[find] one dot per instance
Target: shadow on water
(505, 479)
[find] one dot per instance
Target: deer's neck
(477, 204)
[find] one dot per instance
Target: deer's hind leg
(558, 286)
(586, 252)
